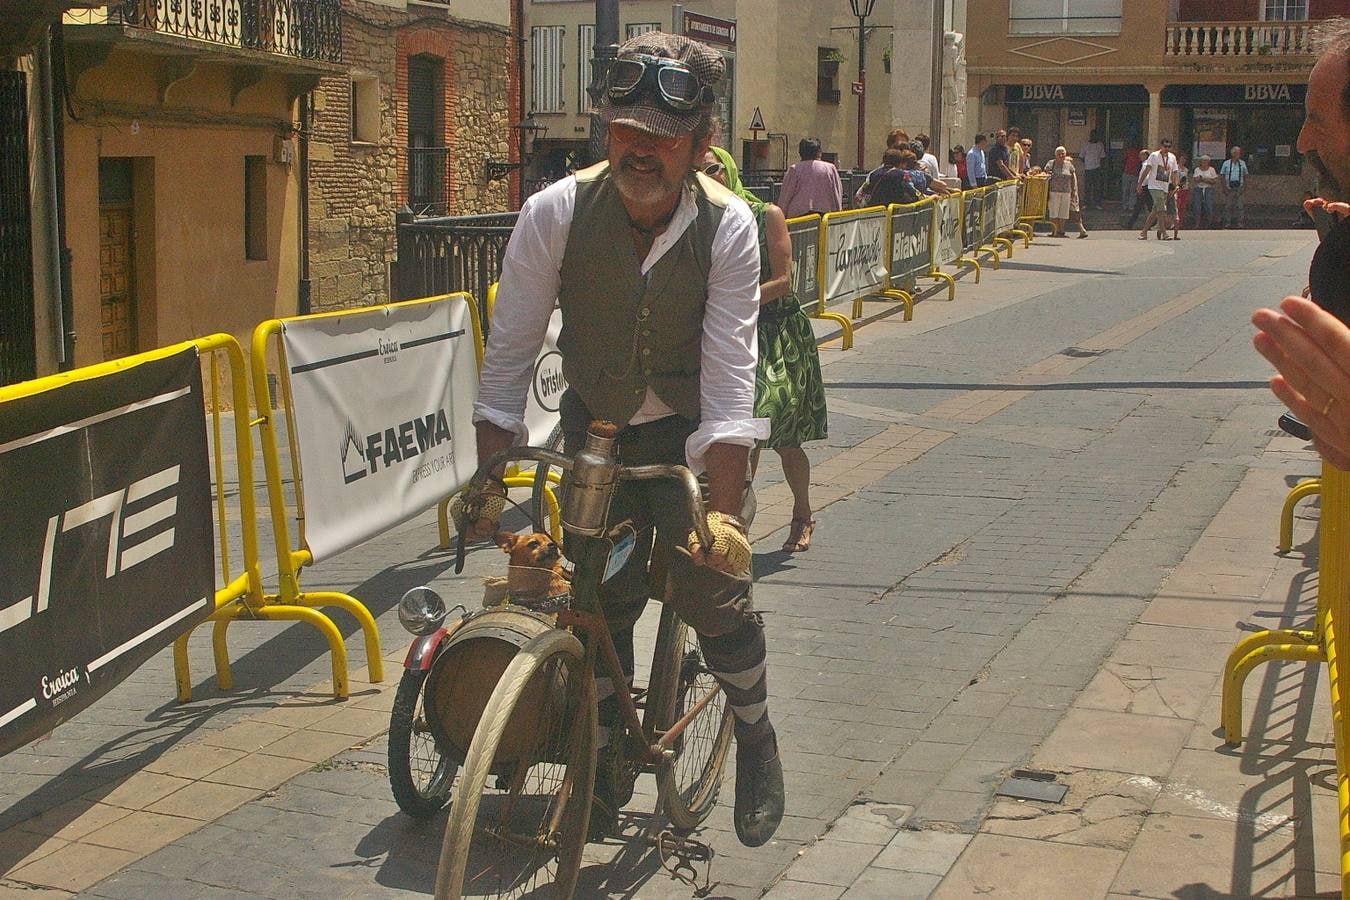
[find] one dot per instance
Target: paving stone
(835, 862)
(998, 866)
(1100, 739)
(926, 852)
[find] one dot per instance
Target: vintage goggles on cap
(670, 81)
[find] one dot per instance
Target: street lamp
(862, 9)
(531, 130)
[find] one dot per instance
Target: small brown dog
(535, 571)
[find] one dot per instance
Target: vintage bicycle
(510, 699)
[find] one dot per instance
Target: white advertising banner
(546, 386)
(855, 262)
(383, 416)
(1005, 208)
(947, 234)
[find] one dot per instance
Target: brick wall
(355, 189)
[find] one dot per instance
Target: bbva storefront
(1263, 118)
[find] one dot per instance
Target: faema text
(387, 447)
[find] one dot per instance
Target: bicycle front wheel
(680, 682)
(519, 817)
(420, 775)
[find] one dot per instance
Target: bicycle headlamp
(668, 80)
(421, 611)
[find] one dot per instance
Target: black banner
(107, 536)
(911, 244)
(1274, 94)
(973, 206)
(1080, 94)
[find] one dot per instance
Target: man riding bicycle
(656, 270)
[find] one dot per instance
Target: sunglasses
(669, 80)
(627, 134)
(712, 170)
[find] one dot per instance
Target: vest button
(646, 351)
(644, 312)
(637, 392)
(646, 332)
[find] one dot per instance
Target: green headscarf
(734, 180)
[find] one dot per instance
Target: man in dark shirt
(998, 158)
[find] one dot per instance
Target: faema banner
(107, 535)
(947, 230)
(546, 387)
(855, 253)
(911, 243)
(971, 209)
(383, 415)
(805, 235)
(1005, 207)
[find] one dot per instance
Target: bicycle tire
(538, 505)
(463, 834)
(691, 780)
(424, 800)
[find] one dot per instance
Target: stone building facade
(374, 149)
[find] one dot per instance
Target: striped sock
(736, 660)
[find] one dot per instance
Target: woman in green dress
(789, 391)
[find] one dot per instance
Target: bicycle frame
(585, 615)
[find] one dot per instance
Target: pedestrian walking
(1093, 154)
(1204, 191)
(1182, 195)
(1064, 199)
(1158, 176)
(812, 185)
(789, 390)
(1233, 177)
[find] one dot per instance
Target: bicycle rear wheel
(680, 680)
(518, 820)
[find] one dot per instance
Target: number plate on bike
(621, 548)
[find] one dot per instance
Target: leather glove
(478, 516)
(730, 550)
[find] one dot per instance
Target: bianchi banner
(855, 261)
(805, 235)
(107, 536)
(947, 233)
(911, 243)
(1005, 208)
(383, 416)
(546, 387)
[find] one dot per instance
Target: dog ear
(506, 540)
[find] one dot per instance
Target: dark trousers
(716, 606)
(1143, 201)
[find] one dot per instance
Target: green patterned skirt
(788, 387)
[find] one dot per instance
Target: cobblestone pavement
(1008, 478)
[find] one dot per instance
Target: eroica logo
(63, 685)
(549, 381)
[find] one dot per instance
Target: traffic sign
(757, 121)
(857, 88)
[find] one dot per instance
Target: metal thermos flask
(590, 485)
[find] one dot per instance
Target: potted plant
(829, 63)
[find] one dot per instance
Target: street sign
(757, 121)
(857, 88)
(710, 30)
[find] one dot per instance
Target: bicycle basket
(465, 674)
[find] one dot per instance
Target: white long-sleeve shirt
(528, 292)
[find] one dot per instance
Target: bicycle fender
(423, 649)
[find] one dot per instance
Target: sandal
(799, 537)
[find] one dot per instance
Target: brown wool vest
(622, 332)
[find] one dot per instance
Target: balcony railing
(306, 29)
(1237, 40)
(429, 181)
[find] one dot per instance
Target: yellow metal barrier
(978, 246)
(239, 593)
(1323, 643)
(818, 302)
(291, 602)
(1305, 488)
(883, 291)
(1035, 201)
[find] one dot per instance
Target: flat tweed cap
(647, 112)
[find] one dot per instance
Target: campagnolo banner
(971, 211)
(1005, 207)
(546, 387)
(947, 230)
(855, 254)
(107, 536)
(805, 235)
(911, 243)
(383, 404)
(987, 217)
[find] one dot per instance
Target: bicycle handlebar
(693, 494)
